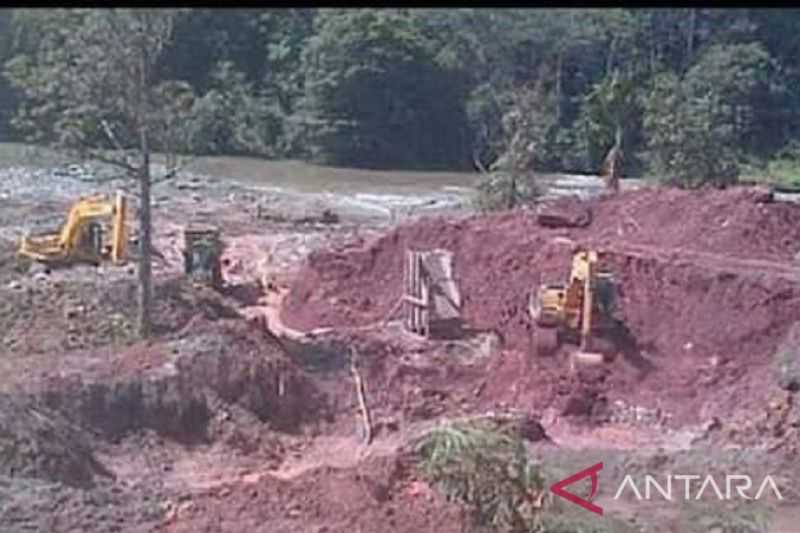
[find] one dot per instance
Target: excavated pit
(211, 380)
(703, 303)
(176, 386)
(37, 442)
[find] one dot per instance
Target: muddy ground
(241, 413)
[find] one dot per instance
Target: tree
(690, 143)
(482, 46)
(7, 96)
(90, 87)
(231, 118)
(700, 127)
(285, 33)
(744, 77)
(609, 109)
(376, 97)
(483, 466)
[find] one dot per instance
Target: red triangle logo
(558, 488)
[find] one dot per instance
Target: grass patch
(752, 518)
(784, 171)
(488, 473)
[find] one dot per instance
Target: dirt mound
(379, 494)
(44, 315)
(172, 387)
(36, 442)
(35, 505)
(707, 284)
(738, 222)
(564, 213)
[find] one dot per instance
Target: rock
(762, 195)
(14, 285)
(564, 214)
(73, 311)
(532, 430)
(712, 425)
(329, 217)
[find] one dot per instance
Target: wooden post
(412, 309)
(588, 297)
(417, 294)
(415, 288)
(425, 311)
(361, 393)
(406, 305)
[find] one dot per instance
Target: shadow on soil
(632, 351)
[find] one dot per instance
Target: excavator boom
(575, 310)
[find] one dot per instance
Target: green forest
(696, 95)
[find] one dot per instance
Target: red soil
(707, 281)
(379, 494)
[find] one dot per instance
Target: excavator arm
(577, 309)
(119, 233)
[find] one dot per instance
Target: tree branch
(113, 161)
(110, 135)
(478, 164)
(171, 173)
(361, 393)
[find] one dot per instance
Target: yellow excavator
(577, 312)
(81, 238)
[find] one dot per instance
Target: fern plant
(488, 472)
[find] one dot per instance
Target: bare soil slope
(708, 287)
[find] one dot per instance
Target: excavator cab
(202, 255)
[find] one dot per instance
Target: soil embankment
(706, 301)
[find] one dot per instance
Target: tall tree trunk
(146, 245)
(559, 66)
(612, 48)
(512, 190)
(145, 223)
(690, 37)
